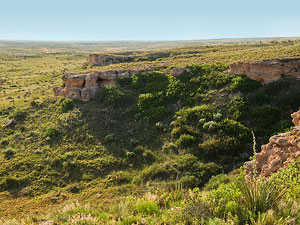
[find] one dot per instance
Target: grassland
(136, 152)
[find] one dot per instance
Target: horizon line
(132, 40)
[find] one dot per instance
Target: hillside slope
(152, 133)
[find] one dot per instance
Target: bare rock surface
(278, 153)
(105, 60)
(179, 70)
(85, 86)
(267, 71)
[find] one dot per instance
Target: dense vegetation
(164, 142)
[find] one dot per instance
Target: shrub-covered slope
(152, 129)
(153, 133)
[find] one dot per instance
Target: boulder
(281, 150)
(179, 70)
(296, 118)
(267, 71)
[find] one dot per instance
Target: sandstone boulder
(296, 118)
(278, 153)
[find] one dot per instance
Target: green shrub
(210, 126)
(51, 133)
(18, 115)
(185, 140)
(289, 180)
(125, 81)
(264, 117)
(243, 84)
(190, 171)
(147, 208)
(9, 153)
(130, 221)
(11, 183)
(237, 108)
(175, 89)
(233, 128)
(140, 154)
(65, 105)
(150, 82)
(216, 181)
(259, 98)
(111, 95)
(109, 138)
(149, 100)
(193, 115)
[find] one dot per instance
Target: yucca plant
(259, 195)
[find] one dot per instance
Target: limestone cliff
(267, 71)
(278, 153)
(86, 85)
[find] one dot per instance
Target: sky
(98, 20)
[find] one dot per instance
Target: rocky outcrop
(86, 86)
(157, 55)
(267, 71)
(105, 60)
(179, 70)
(278, 153)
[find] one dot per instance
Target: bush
(51, 133)
(9, 153)
(147, 208)
(243, 84)
(185, 140)
(11, 183)
(109, 138)
(217, 181)
(18, 115)
(237, 108)
(175, 89)
(259, 98)
(140, 154)
(190, 171)
(210, 126)
(149, 100)
(125, 81)
(65, 105)
(130, 221)
(193, 115)
(112, 95)
(150, 82)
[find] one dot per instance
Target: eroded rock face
(267, 71)
(105, 60)
(179, 70)
(278, 153)
(86, 86)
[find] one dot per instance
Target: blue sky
(92, 20)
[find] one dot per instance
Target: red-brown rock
(278, 153)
